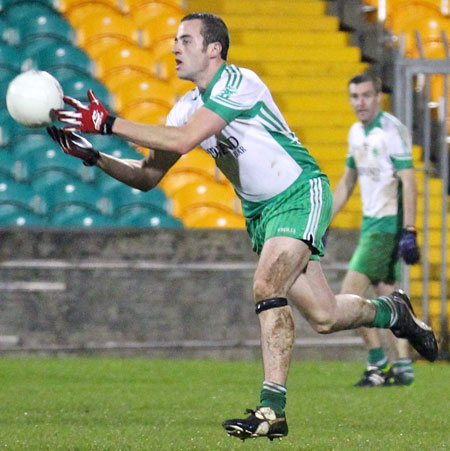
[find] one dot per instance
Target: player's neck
(373, 119)
(204, 79)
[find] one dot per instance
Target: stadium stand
(425, 26)
(41, 185)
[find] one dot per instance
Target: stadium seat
(142, 10)
(429, 28)
(11, 131)
(197, 161)
(144, 88)
(156, 27)
(97, 46)
(129, 5)
(30, 143)
(115, 79)
(9, 168)
(31, 47)
(6, 75)
(407, 10)
(165, 59)
(58, 55)
(65, 193)
(51, 158)
(180, 86)
(44, 180)
(196, 165)
(78, 216)
(432, 49)
(11, 215)
(98, 26)
(212, 217)
(77, 86)
(124, 57)
(147, 217)
(45, 26)
(8, 32)
(121, 197)
(205, 194)
(65, 5)
(20, 195)
(80, 11)
(114, 146)
(171, 183)
(16, 12)
(146, 112)
(10, 58)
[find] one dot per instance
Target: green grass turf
(138, 404)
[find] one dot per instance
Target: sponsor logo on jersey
(226, 146)
(373, 173)
(227, 92)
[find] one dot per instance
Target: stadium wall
(158, 293)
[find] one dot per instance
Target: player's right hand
(407, 247)
(89, 118)
(75, 145)
(325, 237)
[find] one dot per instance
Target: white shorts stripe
(315, 196)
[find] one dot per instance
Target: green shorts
(302, 211)
(376, 257)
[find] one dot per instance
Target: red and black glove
(88, 118)
(75, 145)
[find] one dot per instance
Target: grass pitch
(138, 404)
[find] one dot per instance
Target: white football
(31, 96)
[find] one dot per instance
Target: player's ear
(215, 49)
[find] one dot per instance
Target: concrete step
(262, 7)
(318, 119)
(294, 53)
(305, 84)
(326, 135)
(288, 68)
(314, 102)
(269, 22)
(290, 38)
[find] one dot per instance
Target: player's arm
(94, 118)
(142, 174)
(409, 194)
(200, 126)
(344, 189)
(408, 247)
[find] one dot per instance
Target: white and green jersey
(256, 150)
(378, 152)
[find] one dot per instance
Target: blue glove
(325, 238)
(407, 247)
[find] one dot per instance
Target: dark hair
(367, 76)
(213, 30)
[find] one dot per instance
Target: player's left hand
(407, 247)
(75, 145)
(88, 118)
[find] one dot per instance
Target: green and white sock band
(390, 303)
(385, 313)
(377, 358)
(402, 366)
(274, 387)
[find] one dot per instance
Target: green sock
(403, 371)
(274, 396)
(383, 313)
(378, 358)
